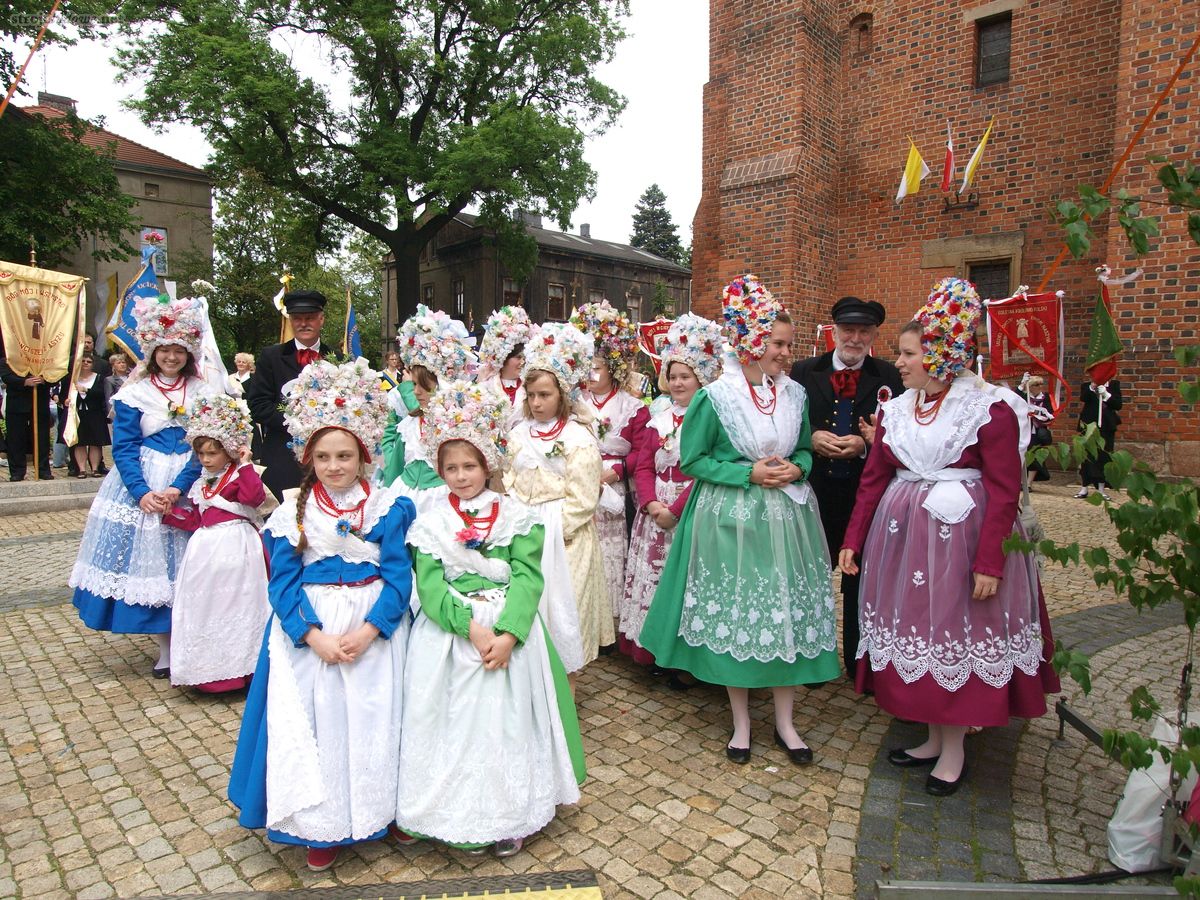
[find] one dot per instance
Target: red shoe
(403, 838)
(321, 858)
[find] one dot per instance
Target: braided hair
(306, 486)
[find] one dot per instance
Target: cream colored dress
(561, 477)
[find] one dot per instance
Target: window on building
(427, 295)
(460, 297)
(150, 189)
(161, 259)
(860, 35)
(993, 278)
(512, 293)
(993, 43)
(556, 302)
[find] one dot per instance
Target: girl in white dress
(220, 603)
(502, 356)
(490, 742)
(316, 760)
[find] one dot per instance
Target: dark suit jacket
(18, 397)
(1091, 407)
(814, 373)
(276, 366)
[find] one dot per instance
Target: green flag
(1104, 346)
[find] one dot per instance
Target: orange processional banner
(1025, 334)
(39, 316)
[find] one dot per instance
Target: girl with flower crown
(691, 359)
(620, 421)
(490, 743)
(220, 604)
(554, 466)
(746, 597)
(432, 349)
(502, 356)
(955, 630)
(124, 575)
(316, 757)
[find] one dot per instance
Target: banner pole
(37, 460)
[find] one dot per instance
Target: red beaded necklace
(926, 417)
(766, 407)
(600, 404)
(167, 389)
(551, 433)
(326, 505)
(220, 485)
(482, 524)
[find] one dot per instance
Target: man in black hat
(845, 387)
(276, 366)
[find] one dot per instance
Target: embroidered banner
(1025, 334)
(38, 314)
(651, 337)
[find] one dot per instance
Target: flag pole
(12, 88)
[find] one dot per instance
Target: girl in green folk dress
(746, 598)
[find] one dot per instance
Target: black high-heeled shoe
(739, 755)
(801, 756)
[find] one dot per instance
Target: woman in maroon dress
(956, 631)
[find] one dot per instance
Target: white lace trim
(414, 448)
(754, 435)
(143, 396)
(615, 415)
(925, 449)
(992, 657)
(434, 533)
(321, 528)
(663, 424)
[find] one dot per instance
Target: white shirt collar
(838, 365)
(300, 346)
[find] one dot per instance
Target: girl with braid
(318, 754)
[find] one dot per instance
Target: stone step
(30, 497)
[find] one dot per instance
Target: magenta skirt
(929, 652)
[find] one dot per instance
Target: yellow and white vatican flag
(40, 313)
(976, 158)
(914, 170)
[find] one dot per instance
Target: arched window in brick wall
(859, 38)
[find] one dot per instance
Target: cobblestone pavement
(113, 784)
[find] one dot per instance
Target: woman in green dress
(746, 597)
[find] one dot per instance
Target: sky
(660, 68)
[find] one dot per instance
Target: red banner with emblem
(651, 337)
(1025, 334)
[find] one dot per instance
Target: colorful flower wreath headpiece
(614, 334)
(223, 418)
(750, 311)
(507, 328)
(697, 343)
(562, 350)
(437, 342)
(464, 411)
(948, 321)
(162, 321)
(328, 396)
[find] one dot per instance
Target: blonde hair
(247, 358)
(579, 410)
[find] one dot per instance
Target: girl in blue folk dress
(124, 576)
(318, 753)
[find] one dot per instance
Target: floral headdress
(507, 328)
(224, 419)
(696, 342)
(437, 342)
(948, 321)
(162, 321)
(562, 350)
(750, 311)
(614, 334)
(464, 411)
(328, 396)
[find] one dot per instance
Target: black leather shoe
(906, 760)
(801, 756)
(676, 683)
(608, 649)
(740, 755)
(164, 672)
(938, 788)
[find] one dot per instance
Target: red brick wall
(805, 137)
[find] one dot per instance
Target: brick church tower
(807, 114)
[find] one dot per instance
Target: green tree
(59, 192)
(653, 230)
(427, 107)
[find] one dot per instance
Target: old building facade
(808, 112)
(461, 274)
